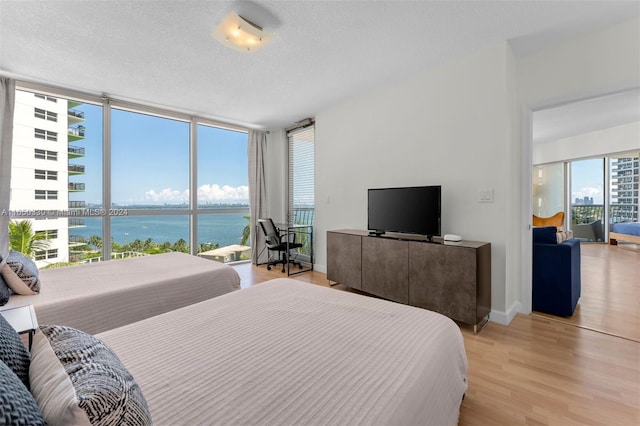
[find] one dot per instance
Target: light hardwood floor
(610, 300)
(536, 371)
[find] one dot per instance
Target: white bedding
(291, 353)
(100, 296)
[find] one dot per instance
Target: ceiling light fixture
(241, 34)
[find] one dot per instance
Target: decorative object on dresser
(452, 279)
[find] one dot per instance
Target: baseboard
(505, 318)
(320, 268)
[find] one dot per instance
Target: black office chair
(279, 242)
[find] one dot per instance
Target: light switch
(485, 195)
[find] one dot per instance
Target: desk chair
(277, 241)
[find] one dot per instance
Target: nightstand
(22, 319)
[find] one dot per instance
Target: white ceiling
(589, 115)
(161, 53)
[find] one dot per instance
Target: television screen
(412, 210)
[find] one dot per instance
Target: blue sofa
(556, 273)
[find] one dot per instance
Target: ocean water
(224, 229)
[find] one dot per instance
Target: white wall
(451, 126)
(598, 63)
(593, 144)
(465, 126)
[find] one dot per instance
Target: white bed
(625, 232)
(291, 353)
(100, 296)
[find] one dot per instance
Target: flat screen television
(411, 210)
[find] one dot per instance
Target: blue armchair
(556, 273)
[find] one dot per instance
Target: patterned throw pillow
(21, 274)
(78, 379)
(13, 352)
(5, 292)
(17, 405)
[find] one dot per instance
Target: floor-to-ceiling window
(602, 191)
(149, 183)
(624, 170)
(588, 195)
(95, 179)
(223, 194)
(301, 184)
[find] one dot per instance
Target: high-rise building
(42, 162)
(625, 178)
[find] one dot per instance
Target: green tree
(207, 246)
(95, 241)
(23, 239)
(180, 245)
(246, 232)
(115, 247)
(148, 244)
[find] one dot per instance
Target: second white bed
(287, 352)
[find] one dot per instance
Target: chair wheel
(283, 270)
(268, 268)
(300, 266)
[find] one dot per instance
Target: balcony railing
(75, 222)
(77, 239)
(76, 131)
(76, 186)
(588, 213)
(75, 169)
(115, 256)
(303, 216)
(75, 151)
(75, 113)
(77, 204)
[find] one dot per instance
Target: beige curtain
(257, 192)
(7, 103)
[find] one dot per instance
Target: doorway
(583, 164)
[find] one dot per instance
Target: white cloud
(221, 194)
(210, 193)
(166, 195)
(593, 192)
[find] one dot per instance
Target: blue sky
(150, 160)
(587, 180)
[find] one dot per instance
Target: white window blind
(302, 175)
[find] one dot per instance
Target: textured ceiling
(161, 52)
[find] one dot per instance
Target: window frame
(301, 215)
(45, 92)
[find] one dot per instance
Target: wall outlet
(485, 195)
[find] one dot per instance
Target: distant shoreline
(171, 206)
(222, 228)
